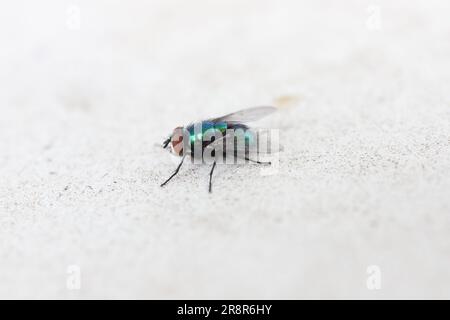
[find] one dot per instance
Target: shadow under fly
(223, 140)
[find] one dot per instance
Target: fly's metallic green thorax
(220, 129)
(195, 134)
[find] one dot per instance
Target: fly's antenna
(166, 142)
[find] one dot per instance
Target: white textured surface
(364, 179)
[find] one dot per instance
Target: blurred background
(358, 209)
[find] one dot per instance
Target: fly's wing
(246, 115)
(260, 144)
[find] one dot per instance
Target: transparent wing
(262, 144)
(246, 115)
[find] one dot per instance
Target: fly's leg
(258, 162)
(175, 173)
(210, 176)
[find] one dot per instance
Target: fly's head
(175, 141)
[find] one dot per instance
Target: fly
(213, 136)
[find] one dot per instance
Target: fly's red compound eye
(177, 141)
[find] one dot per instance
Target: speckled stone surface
(363, 92)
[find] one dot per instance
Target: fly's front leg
(175, 173)
(210, 176)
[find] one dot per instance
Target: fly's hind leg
(210, 176)
(258, 162)
(175, 173)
